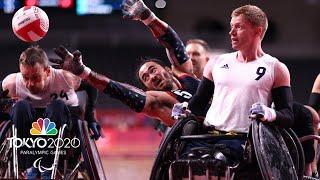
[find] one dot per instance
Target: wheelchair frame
(169, 149)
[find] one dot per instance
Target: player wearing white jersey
(41, 92)
(238, 85)
(244, 82)
(60, 86)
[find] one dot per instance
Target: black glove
(95, 128)
(70, 62)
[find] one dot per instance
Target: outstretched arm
(129, 95)
(152, 103)
(137, 10)
(157, 104)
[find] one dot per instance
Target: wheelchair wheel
(90, 154)
(166, 152)
(296, 150)
(6, 164)
(271, 152)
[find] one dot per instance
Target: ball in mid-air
(30, 23)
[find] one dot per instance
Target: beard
(168, 84)
(168, 87)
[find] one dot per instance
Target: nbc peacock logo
(43, 127)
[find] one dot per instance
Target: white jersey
(238, 85)
(58, 88)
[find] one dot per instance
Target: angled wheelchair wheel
(296, 150)
(6, 164)
(166, 153)
(92, 162)
(272, 153)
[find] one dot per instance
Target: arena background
(112, 46)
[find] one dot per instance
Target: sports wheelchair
(269, 153)
(88, 167)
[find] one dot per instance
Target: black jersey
(302, 120)
(189, 87)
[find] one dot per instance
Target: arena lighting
(31, 2)
(160, 4)
(102, 7)
(65, 4)
(9, 6)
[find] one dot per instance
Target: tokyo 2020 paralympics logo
(44, 127)
(43, 146)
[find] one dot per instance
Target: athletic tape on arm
(127, 94)
(175, 46)
(200, 100)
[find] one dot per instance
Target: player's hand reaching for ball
(136, 10)
(70, 62)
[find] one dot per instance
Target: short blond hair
(254, 15)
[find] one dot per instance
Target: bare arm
(316, 85)
(9, 82)
(159, 105)
(73, 80)
(314, 99)
(315, 115)
(282, 75)
(207, 72)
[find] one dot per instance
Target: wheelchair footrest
(190, 167)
